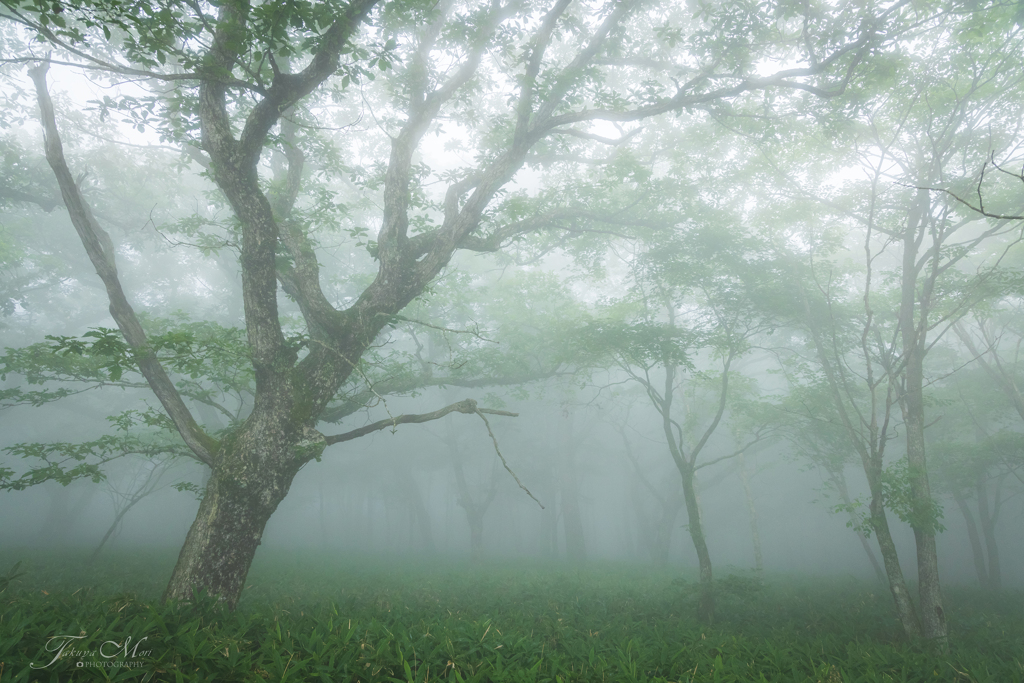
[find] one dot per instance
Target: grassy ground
(313, 618)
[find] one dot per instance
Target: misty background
(552, 328)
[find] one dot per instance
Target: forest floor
(307, 617)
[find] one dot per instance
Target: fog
(749, 304)
(397, 495)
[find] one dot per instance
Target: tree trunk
(663, 528)
(655, 530)
(475, 509)
(323, 514)
(476, 536)
(840, 482)
(572, 523)
(228, 528)
(754, 533)
(988, 514)
(897, 584)
(418, 511)
(706, 599)
(972, 534)
(924, 512)
(870, 446)
(113, 527)
(572, 518)
(915, 299)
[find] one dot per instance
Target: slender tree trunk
(972, 534)
(923, 509)
(870, 446)
(897, 584)
(323, 515)
(645, 525)
(913, 319)
(572, 518)
(706, 600)
(572, 523)
(474, 509)
(549, 531)
(754, 533)
(110, 532)
(988, 515)
(655, 530)
(476, 536)
(418, 511)
(840, 482)
(664, 526)
(113, 527)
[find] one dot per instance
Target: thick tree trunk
(706, 599)
(239, 500)
(972, 534)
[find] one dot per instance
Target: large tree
(233, 81)
(927, 261)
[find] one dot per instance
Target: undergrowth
(321, 619)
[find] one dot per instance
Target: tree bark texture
(897, 583)
(913, 317)
(222, 541)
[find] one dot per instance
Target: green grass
(311, 618)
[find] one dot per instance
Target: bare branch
(494, 439)
(100, 250)
(467, 406)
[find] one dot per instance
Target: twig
(480, 412)
(475, 333)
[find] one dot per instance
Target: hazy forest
(512, 340)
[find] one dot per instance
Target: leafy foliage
(518, 622)
(136, 433)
